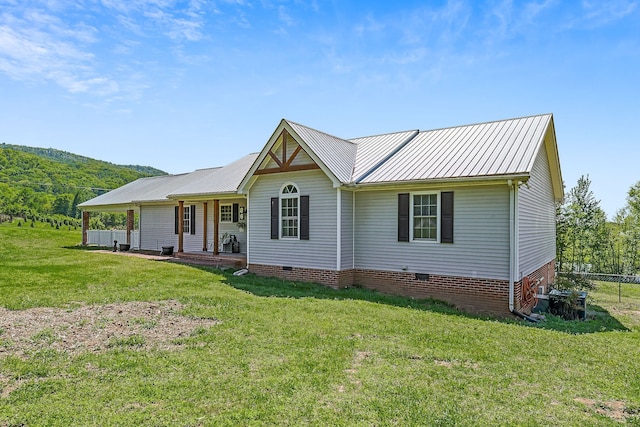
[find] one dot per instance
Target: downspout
(339, 229)
(512, 229)
(353, 230)
(247, 221)
(514, 244)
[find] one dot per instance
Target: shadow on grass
(598, 320)
(601, 321)
(89, 248)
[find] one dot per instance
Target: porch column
(180, 226)
(129, 225)
(216, 226)
(85, 227)
(204, 227)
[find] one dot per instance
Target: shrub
(573, 282)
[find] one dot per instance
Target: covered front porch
(215, 226)
(204, 227)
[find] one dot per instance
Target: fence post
(619, 290)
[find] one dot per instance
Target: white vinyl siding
(481, 235)
(317, 252)
(346, 235)
(537, 222)
(157, 227)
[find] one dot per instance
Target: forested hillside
(44, 183)
(587, 242)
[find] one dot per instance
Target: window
(425, 217)
(226, 213)
(186, 223)
(189, 223)
(289, 199)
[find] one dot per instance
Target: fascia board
(449, 182)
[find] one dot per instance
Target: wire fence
(617, 278)
(629, 290)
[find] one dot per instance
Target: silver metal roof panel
(160, 188)
(504, 147)
(225, 179)
(144, 189)
(373, 150)
(337, 154)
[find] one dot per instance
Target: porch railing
(106, 237)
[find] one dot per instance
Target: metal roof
(374, 150)
(144, 189)
(337, 154)
(506, 147)
(216, 181)
(161, 188)
(492, 149)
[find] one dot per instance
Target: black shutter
(446, 217)
(403, 217)
(176, 215)
(275, 207)
(304, 217)
(235, 213)
(193, 219)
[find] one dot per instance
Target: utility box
(570, 305)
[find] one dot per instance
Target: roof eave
(191, 196)
(119, 207)
(457, 181)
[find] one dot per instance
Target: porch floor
(231, 260)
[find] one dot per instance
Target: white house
(463, 214)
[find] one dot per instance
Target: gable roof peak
(294, 124)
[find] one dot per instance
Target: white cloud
(30, 54)
(285, 17)
(165, 16)
(601, 13)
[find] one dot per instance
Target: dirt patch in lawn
(96, 327)
(616, 410)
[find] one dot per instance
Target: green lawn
(286, 353)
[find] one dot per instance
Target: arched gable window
(290, 214)
(289, 211)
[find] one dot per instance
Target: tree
(628, 222)
(62, 205)
(585, 226)
(562, 233)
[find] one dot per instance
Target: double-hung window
(289, 212)
(425, 216)
(186, 223)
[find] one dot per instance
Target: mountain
(44, 181)
(70, 158)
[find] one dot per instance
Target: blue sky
(183, 85)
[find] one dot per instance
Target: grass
(298, 354)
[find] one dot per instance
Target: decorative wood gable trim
(284, 163)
